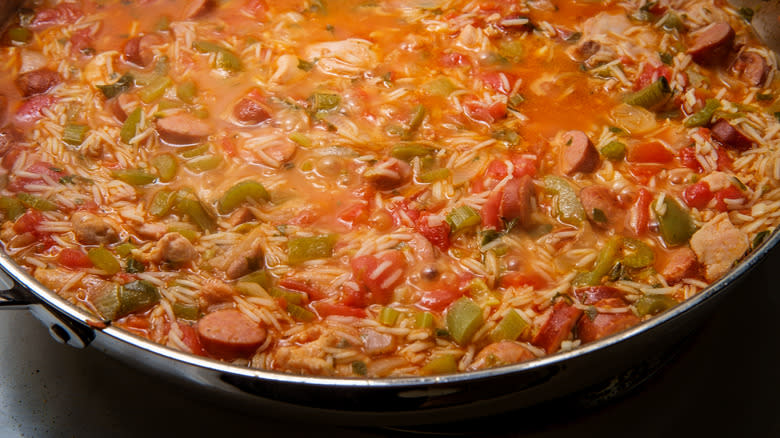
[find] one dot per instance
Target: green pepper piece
(301, 249)
(614, 151)
(74, 134)
(464, 318)
(652, 304)
(300, 313)
(103, 259)
(133, 266)
(136, 296)
(186, 91)
(12, 207)
(300, 138)
(441, 365)
(463, 217)
(19, 35)
(435, 175)
(650, 96)
(408, 151)
(604, 263)
(423, 320)
(671, 21)
(388, 316)
(568, 207)
(675, 224)
(704, 115)
(161, 203)
(166, 166)
(290, 297)
(227, 60)
(510, 328)
(124, 249)
(239, 193)
(106, 301)
(190, 312)
(206, 46)
(637, 254)
(359, 368)
(130, 126)
(204, 163)
(441, 86)
(323, 101)
(155, 89)
(195, 151)
(418, 116)
(135, 177)
(261, 277)
(123, 84)
(36, 202)
(187, 203)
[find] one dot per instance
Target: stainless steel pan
(396, 401)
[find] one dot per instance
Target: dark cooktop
(726, 382)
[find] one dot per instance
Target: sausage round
(730, 136)
(182, 129)
(601, 206)
(138, 50)
(682, 263)
(516, 200)
(604, 324)
(37, 81)
(229, 334)
(712, 44)
(501, 353)
(752, 67)
(250, 112)
(578, 154)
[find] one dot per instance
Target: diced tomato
(44, 168)
(305, 217)
(32, 109)
(324, 308)
(520, 279)
(651, 74)
(490, 211)
(482, 112)
(642, 173)
(697, 195)
(380, 275)
(438, 235)
(687, 157)
(354, 297)
(73, 258)
(439, 299)
(639, 214)
(65, 13)
(191, 339)
(724, 160)
(498, 81)
(650, 152)
(28, 222)
(10, 157)
(730, 192)
(80, 41)
(257, 8)
(557, 327)
(354, 215)
(304, 286)
(453, 59)
(229, 146)
(138, 324)
(496, 171)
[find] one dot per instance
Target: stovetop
(726, 382)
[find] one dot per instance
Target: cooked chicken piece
(718, 245)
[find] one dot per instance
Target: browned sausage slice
(594, 294)
(182, 129)
(3, 108)
(602, 207)
(712, 44)
(228, 334)
(197, 8)
(578, 154)
(138, 50)
(516, 200)
(557, 327)
(250, 112)
(123, 105)
(501, 353)
(389, 174)
(752, 67)
(604, 324)
(37, 81)
(682, 263)
(730, 136)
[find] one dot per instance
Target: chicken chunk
(93, 230)
(173, 248)
(242, 257)
(718, 245)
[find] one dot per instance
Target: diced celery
(204, 163)
(261, 277)
(161, 203)
(441, 86)
(74, 134)
(166, 166)
(418, 116)
(36, 202)
(300, 138)
(155, 89)
(189, 312)
(103, 259)
(323, 102)
(423, 320)
(464, 318)
(301, 249)
(510, 328)
(388, 316)
(435, 175)
(186, 91)
(289, 296)
(12, 207)
(19, 35)
(614, 151)
(441, 365)
(195, 151)
(136, 177)
(463, 217)
(568, 207)
(408, 151)
(130, 126)
(124, 249)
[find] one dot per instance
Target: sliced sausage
(681, 264)
(578, 154)
(752, 67)
(389, 174)
(602, 207)
(8, 138)
(229, 334)
(197, 8)
(730, 136)
(138, 50)
(712, 44)
(182, 129)
(592, 295)
(37, 81)
(64, 13)
(92, 230)
(517, 200)
(173, 248)
(501, 353)
(3, 108)
(31, 110)
(604, 324)
(250, 112)
(557, 327)
(718, 245)
(123, 105)
(375, 342)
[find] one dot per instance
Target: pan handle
(61, 328)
